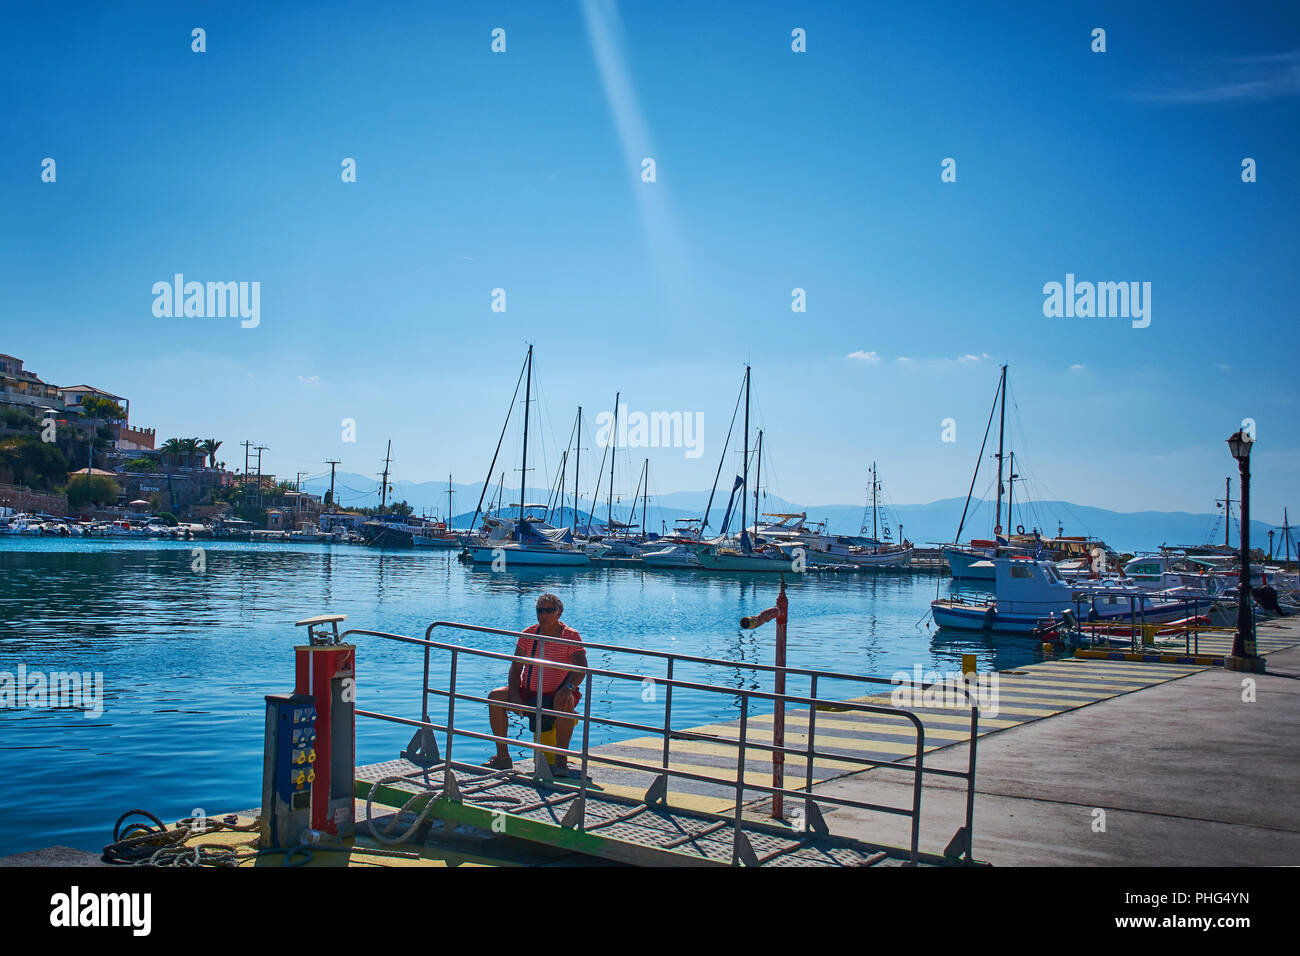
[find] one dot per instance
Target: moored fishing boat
(1030, 593)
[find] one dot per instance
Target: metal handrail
(913, 762)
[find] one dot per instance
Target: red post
(327, 672)
(778, 716)
(780, 614)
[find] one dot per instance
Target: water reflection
(187, 656)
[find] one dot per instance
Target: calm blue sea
(187, 656)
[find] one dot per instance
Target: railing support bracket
(573, 816)
(657, 793)
(813, 820)
(423, 748)
(450, 788)
(744, 850)
(959, 845)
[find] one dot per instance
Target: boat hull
(713, 560)
(429, 541)
(383, 536)
(541, 557)
(670, 558)
(959, 616)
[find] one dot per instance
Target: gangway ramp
(617, 818)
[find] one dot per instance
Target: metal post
(778, 716)
(970, 785)
(451, 701)
(1243, 642)
(586, 747)
(740, 780)
(812, 730)
(537, 700)
(668, 711)
(1132, 623)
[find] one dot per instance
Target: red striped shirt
(553, 651)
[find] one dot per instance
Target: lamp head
(1240, 444)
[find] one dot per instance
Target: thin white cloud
(969, 358)
(1261, 76)
(1076, 368)
(904, 360)
(864, 356)
(1222, 367)
(309, 379)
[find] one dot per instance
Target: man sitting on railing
(559, 684)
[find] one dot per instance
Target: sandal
(499, 763)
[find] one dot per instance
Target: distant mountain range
(936, 521)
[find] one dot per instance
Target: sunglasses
(547, 610)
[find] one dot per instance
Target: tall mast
(1227, 511)
(645, 502)
(523, 472)
(744, 461)
(1002, 422)
(875, 507)
(612, 452)
(1286, 533)
(564, 465)
(577, 473)
(383, 488)
(758, 476)
(449, 501)
(1011, 488)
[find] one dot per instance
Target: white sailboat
(526, 540)
(743, 554)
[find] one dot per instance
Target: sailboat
(743, 555)
(439, 534)
(973, 562)
(526, 540)
(863, 551)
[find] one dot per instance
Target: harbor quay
(1082, 761)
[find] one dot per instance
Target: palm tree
(209, 447)
(93, 406)
(172, 448)
(189, 448)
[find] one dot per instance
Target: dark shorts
(528, 698)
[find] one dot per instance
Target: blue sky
(775, 170)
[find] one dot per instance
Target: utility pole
(297, 484)
(244, 483)
(259, 449)
(383, 488)
(332, 463)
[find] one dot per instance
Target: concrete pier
(1189, 772)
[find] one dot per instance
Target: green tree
(91, 490)
(209, 447)
(33, 462)
(95, 408)
(172, 449)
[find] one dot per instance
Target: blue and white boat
(1031, 593)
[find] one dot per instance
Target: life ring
(1020, 529)
(997, 529)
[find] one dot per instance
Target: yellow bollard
(1047, 650)
(967, 664)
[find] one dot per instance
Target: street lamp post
(1243, 642)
